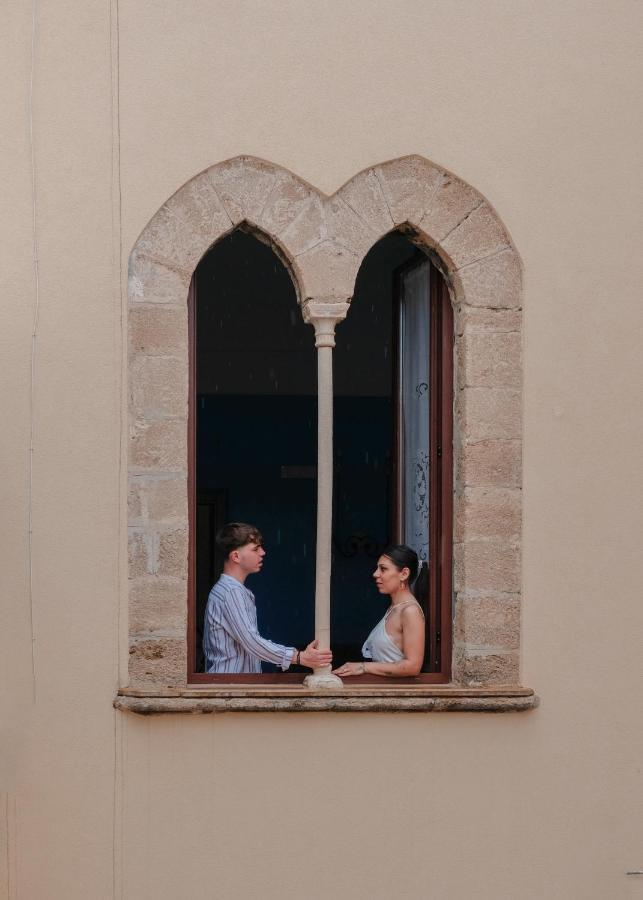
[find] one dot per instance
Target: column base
(323, 681)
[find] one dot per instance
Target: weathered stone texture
(489, 413)
(452, 201)
(495, 282)
(490, 462)
(166, 500)
(173, 552)
(152, 282)
(169, 240)
(307, 230)
(199, 206)
(489, 360)
(479, 235)
(244, 185)
(157, 500)
(157, 604)
(489, 668)
(159, 387)
(141, 553)
(345, 227)
(409, 186)
(158, 661)
(480, 320)
(484, 622)
(158, 331)
(159, 447)
(486, 566)
(488, 513)
(328, 265)
(135, 512)
(364, 195)
(287, 199)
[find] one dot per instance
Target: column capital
(324, 316)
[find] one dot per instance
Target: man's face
(249, 557)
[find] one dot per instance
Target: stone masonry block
(135, 510)
(328, 271)
(478, 235)
(494, 282)
(166, 500)
(157, 604)
(159, 447)
(490, 462)
(159, 387)
(159, 661)
(485, 669)
(345, 227)
(173, 553)
(152, 282)
(286, 201)
(409, 186)
(452, 201)
(488, 513)
(479, 320)
(489, 413)
(490, 360)
(157, 501)
(308, 230)
(486, 566)
(199, 206)
(171, 241)
(141, 552)
(158, 330)
(488, 622)
(244, 185)
(363, 193)
(326, 219)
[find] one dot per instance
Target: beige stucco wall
(535, 105)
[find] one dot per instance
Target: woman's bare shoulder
(412, 611)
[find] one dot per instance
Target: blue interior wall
(243, 445)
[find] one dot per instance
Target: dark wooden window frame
(438, 605)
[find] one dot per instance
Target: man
(231, 641)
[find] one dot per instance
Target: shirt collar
(232, 581)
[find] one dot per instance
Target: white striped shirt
(231, 641)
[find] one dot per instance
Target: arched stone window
(323, 241)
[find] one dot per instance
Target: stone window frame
(323, 241)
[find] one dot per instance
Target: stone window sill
(231, 698)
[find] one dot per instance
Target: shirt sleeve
(237, 621)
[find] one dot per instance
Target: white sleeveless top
(379, 645)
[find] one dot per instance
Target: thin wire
(34, 333)
(117, 261)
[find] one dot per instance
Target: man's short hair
(235, 535)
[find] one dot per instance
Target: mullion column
(322, 678)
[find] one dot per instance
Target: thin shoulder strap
(403, 605)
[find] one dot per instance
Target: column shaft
(324, 494)
(322, 678)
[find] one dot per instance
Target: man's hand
(314, 658)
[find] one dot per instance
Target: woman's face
(388, 577)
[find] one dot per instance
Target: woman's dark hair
(404, 557)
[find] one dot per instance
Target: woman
(396, 644)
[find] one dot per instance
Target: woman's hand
(351, 668)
